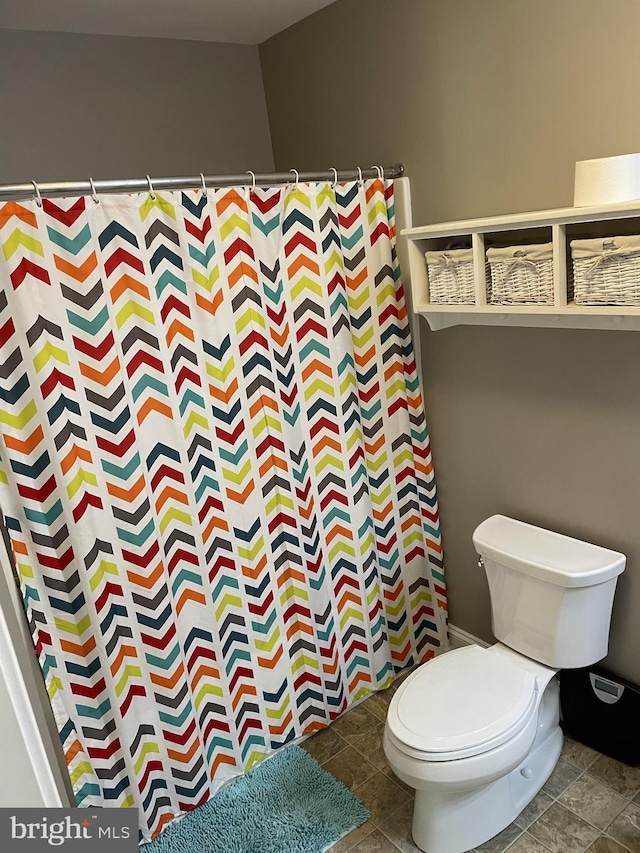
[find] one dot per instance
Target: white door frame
(49, 782)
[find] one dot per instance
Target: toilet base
(457, 821)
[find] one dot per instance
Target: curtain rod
(73, 188)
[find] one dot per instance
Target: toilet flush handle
(480, 563)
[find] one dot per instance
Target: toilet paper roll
(607, 180)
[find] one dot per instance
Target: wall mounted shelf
(556, 226)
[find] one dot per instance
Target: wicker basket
(606, 271)
(451, 276)
(521, 275)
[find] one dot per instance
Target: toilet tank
(551, 595)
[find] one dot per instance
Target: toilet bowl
(476, 730)
(492, 742)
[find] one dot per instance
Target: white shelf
(560, 226)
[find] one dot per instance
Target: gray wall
(75, 106)
(489, 104)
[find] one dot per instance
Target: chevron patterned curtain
(216, 475)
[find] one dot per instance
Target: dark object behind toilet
(602, 711)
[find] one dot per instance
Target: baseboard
(458, 638)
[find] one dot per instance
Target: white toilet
(476, 731)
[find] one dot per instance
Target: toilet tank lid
(543, 554)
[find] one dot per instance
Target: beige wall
(75, 106)
(489, 104)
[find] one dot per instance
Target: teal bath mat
(287, 804)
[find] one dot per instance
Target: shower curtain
(215, 475)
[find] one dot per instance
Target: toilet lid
(466, 701)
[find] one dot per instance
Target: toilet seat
(462, 703)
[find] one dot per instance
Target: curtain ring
(380, 172)
(297, 178)
(151, 192)
(94, 194)
(335, 177)
(253, 180)
(204, 186)
(360, 181)
(38, 196)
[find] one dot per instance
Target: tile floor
(590, 802)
